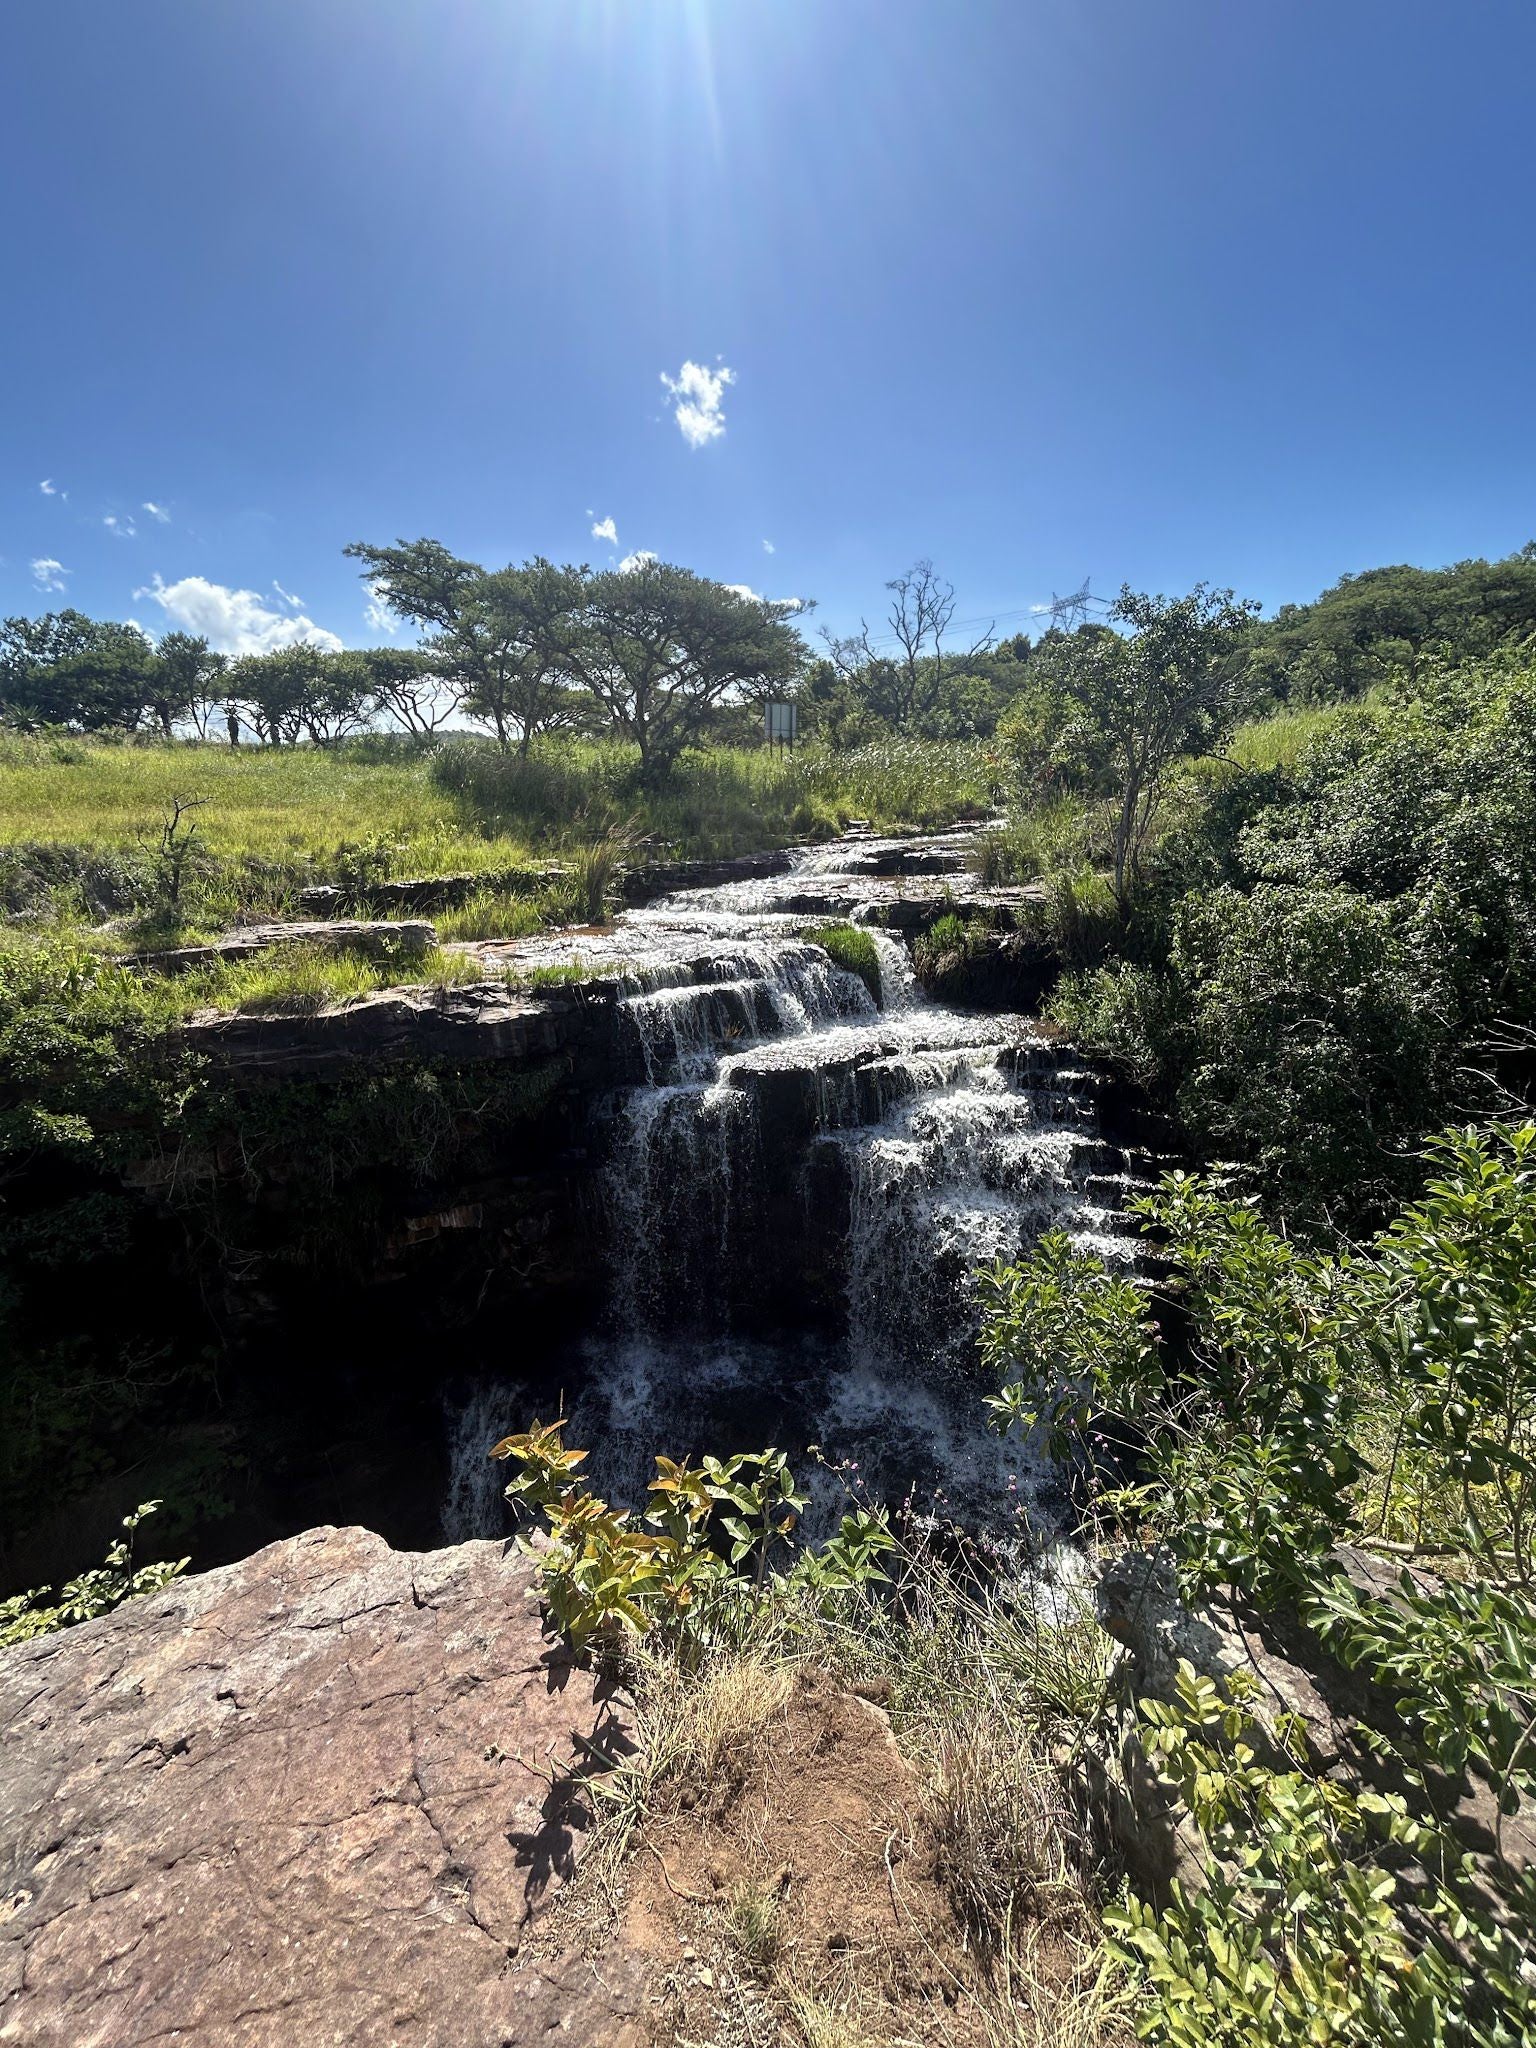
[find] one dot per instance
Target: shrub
(1312, 1398)
(696, 1562)
(26, 1615)
(1129, 1012)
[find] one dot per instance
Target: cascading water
(472, 1505)
(797, 1199)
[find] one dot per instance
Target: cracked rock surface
(318, 1796)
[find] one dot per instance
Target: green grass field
(80, 822)
(462, 806)
(273, 803)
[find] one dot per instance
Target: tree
(66, 669)
(268, 688)
(500, 641)
(418, 579)
(1386, 621)
(185, 682)
(660, 648)
(1130, 703)
(410, 688)
(512, 650)
(303, 691)
(906, 689)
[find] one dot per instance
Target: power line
(1040, 612)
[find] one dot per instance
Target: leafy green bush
(1333, 949)
(1316, 1403)
(1127, 1011)
(26, 1615)
(696, 1562)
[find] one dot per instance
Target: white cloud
(377, 615)
(123, 528)
(294, 604)
(778, 604)
(48, 574)
(769, 548)
(604, 529)
(48, 487)
(159, 512)
(639, 558)
(233, 621)
(700, 395)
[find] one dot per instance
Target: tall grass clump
(928, 783)
(1066, 832)
(1280, 740)
(851, 948)
(492, 913)
(298, 980)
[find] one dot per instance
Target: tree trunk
(1124, 827)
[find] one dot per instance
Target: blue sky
(1136, 289)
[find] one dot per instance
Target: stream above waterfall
(795, 1202)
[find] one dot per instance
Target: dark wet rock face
(488, 1021)
(303, 1799)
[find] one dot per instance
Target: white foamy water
(799, 1197)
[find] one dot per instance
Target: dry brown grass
(1006, 1836)
(806, 1874)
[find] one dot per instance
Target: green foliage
(1047, 834)
(594, 868)
(922, 687)
(851, 948)
(65, 670)
(1343, 946)
(1313, 1403)
(80, 1061)
(696, 1562)
(1113, 712)
(1302, 1935)
(1124, 1010)
(1389, 622)
(906, 781)
(26, 1615)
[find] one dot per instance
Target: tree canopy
(1120, 707)
(648, 648)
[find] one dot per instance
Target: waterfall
(796, 1202)
(740, 992)
(472, 1504)
(899, 989)
(966, 1169)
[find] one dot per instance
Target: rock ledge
(316, 1796)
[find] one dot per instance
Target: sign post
(781, 725)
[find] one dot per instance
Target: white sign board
(781, 724)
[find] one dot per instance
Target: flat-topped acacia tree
(499, 641)
(660, 648)
(656, 648)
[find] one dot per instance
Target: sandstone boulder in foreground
(314, 1797)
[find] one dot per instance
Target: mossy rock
(849, 947)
